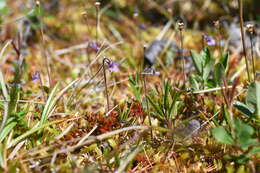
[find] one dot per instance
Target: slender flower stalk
(85, 17)
(47, 63)
(148, 71)
(112, 67)
(147, 104)
(35, 78)
(202, 41)
(240, 2)
(105, 60)
(217, 26)
(138, 29)
(250, 29)
(181, 28)
(97, 4)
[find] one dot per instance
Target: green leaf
(194, 83)
(165, 97)
(208, 63)
(244, 134)
(244, 108)
(224, 61)
(157, 108)
(227, 116)
(2, 157)
(31, 131)
(208, 67)
(205, 55)
(6, 130)
(221, 135)
(133, 83)
(241, 160)
(255, 150)
(197, 61)
(219, 73)
(253, 97)
(49, 105)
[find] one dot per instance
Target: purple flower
(150, 71)
(113, 67)
(94, 46)
(36, 76)
(209, 40)
(143, 26)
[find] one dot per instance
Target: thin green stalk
(240, 2)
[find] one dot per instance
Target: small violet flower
(36, 76)
(150, 71)
(142, 26)
(94, 46)
(113, 67)
(209, 40)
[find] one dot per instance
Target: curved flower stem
(106, 60)
(240, 2)
(75, 93)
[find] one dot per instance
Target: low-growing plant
(237, 133)
(251, 107)
(166, 103)
(242, 139)
(205, 66)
